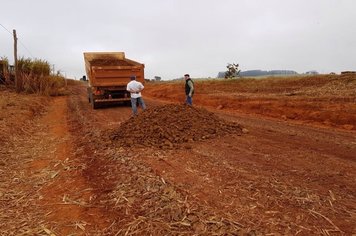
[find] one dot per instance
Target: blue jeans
(134, 104)
(189, 100)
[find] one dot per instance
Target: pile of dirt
(172, 125)
(109, 62)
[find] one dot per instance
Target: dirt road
(280, 178)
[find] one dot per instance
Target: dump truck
(108, 74)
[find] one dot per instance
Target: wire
(23, 45)
(6, 29)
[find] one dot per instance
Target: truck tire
(94, 105)
(127, 103)
(89, 94)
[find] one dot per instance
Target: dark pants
(189, 100)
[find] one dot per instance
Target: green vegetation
(34, 76)
(36, 67)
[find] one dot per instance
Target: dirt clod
(171, 125)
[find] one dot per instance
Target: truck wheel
(94, 105)
(127, 103)
(89, 97)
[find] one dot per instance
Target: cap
(186, 75)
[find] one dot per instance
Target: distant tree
(158, 78)
(232, 70)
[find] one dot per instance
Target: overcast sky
(174, 37)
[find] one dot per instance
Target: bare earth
(291, 172)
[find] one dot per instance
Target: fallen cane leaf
(54, 174)
(47, 231)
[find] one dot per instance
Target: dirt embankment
(19, 114)
(320, 100)
(17, 111)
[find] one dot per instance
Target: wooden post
(17, 82)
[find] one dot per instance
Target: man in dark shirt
(189, 89)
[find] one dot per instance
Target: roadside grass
(49, 85)
(35, 77)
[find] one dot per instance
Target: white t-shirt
(134, 85)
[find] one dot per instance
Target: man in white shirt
(135, 88)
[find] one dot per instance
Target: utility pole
(17, 82)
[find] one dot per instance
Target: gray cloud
(173, 37)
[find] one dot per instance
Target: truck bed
(111, 69)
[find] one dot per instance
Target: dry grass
(154, 206)
(19, 214)
(18, 194)
(34, 76)
(45, 85)
(293, 85)
(272, 85)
